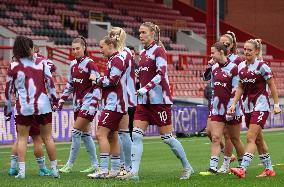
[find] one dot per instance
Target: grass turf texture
(159, 167)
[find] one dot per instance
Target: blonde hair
(111, 40)
(157, 31)
(257, 45)
(232, 37)
(118, 34)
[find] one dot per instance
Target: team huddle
(121, 102)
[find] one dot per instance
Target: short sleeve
(265, 71)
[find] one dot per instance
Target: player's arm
(8, 93)
(96, 95)
(51, 66)
(207, 75)
(161, 69)
(238, 94)
(267, 75)
(67, 90)
(235, 85)
(116, 70)
(235, 81)
(274, 93)
(50, 84)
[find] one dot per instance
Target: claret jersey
(225, 81)
(153, 75)
(254, 77)
(29, 79)
(114, 87)
(85, 93)
(130, 77)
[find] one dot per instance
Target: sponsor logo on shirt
(220, 84)
(78, 80)
(81, 70)
(144, 69)
(246, 80)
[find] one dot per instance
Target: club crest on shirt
(80, 70)
(78, 80)
(220, 84)
(143, 69)
(227, 74)
(152, 57)
(256, 72)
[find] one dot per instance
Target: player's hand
(229, 116)
(93, 109)
(54, 108)
(8, 117)
(231, 110)
(211, 62)
(277, 110)
(60, 104)
(141, 91)
(93, 77)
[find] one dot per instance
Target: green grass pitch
(159, 167)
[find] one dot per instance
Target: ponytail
(119, 35)
(232, 37)
(112, 40)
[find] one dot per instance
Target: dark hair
(22, 47)
(130, 47)
(82, 41)
(220, 47)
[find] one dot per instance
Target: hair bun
(232, 34)
(258, 40)
(115, 37)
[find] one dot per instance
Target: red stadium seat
(2, 78)
(2, 87)
(4, 71)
